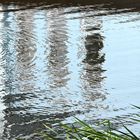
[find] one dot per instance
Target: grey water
(61, 61)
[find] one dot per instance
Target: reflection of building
(42, 65)
(92, 74)
(58, 60)
(26, 99)
(19, 54)
(8, 37)
(25, 48)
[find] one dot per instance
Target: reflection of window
(93, 45)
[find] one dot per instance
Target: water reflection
(51, 67)
(57, 59)
(93, 63)
(38, 70)
(92, 75)
(93, 45)
(25, 53)
(7, 63)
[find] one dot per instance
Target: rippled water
(59, 61)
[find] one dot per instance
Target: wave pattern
(55, 63)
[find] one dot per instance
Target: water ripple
(58, 61)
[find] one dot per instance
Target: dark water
(58, 61)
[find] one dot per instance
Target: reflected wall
(51, 68)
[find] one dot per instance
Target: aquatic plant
(84, 131)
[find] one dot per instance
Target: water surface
(59, 61)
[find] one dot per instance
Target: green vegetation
(86, 132)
